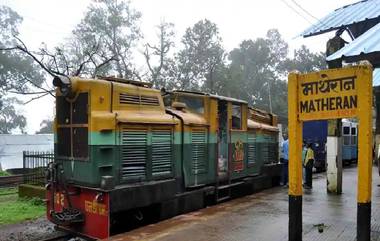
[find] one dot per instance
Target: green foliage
(14, 209)
(159, 53)
(8, 191)
(10, 119)
(305, 61)
(106, 36)
(9, 23)
(3, 174)
(18, 72)
(254, 72)
(200, 58)
(46, 127)
(36, 201)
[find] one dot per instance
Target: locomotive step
(230, 185)
(222, 199)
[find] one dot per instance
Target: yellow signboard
(328, 94)
(331, 94)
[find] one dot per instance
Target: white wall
(12, 146)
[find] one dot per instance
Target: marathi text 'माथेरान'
(327, 86)
(323, 101)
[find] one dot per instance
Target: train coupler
(67, 216)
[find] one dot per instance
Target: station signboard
(328, 96)
(331, 94)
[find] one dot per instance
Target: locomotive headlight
(66, 85)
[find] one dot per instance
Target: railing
(35, 164)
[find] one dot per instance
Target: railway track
(61, 237)
(11, 181)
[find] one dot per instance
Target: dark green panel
(193, 178)
(101, 163)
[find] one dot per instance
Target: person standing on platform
(308, 165)
(285, 161)
(304, 151)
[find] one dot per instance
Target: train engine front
(98, 126)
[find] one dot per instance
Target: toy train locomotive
(122, 146)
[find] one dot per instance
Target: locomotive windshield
(236, 116)
(194, 104)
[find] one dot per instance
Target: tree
(252, 68)
(258, 71)
(106, 37)
(305, 61)
(9, 118)
(200, 58)
(256, 75)
(101, 44)
(159, 73)
(18, 73)
(46, 127)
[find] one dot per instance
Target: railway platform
(263, 216)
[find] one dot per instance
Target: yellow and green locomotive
(122, 146)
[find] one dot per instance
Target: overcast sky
(51, 21)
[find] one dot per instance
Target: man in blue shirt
(285, 161)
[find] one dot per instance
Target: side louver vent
(125, 98)
(199, 150)
(268, 150)
(129, 99)
(161, 152)
(149, 100)
(133, 153)
(252, 150)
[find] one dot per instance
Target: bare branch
(24, 49)
(8, 49)
(147, 59)
(39, 87)
(35, 98)
(97, 67)
(30, 93)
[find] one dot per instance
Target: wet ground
(264, 216)
(29, 230)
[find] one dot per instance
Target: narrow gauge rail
(11, 181)
(61, 237)
(124, 149)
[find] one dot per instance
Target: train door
(222, 140)
(346, 148)
(354, 142)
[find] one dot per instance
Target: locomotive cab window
(353, 136)
(194, 104)
(346, 135)
(168, 100)
(346, 130)
(236, 116)
(353, 131)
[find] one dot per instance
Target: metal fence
(34, 165)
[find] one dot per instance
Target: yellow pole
(365, 154)
(295, 164)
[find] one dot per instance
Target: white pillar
(334, 158)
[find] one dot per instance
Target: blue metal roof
(364, 44)
(344, 16)
(376, 77)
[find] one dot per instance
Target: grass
(15, 209)
(4, 173)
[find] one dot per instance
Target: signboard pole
(295, 163)
(365, 158)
